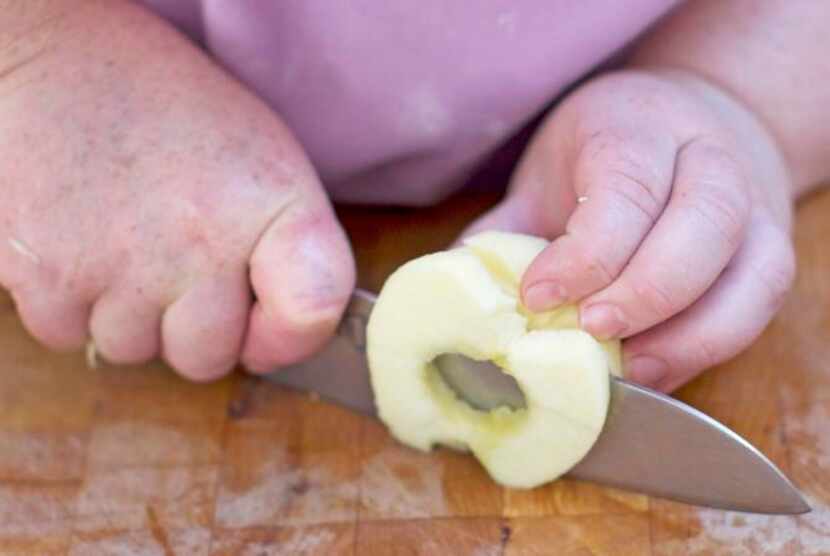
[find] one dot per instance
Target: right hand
(153, 205)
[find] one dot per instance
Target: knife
(650, 443)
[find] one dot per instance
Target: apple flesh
(466, 301)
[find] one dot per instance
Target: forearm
(773, 56)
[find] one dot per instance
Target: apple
(466, 301)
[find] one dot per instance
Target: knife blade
(651, 443)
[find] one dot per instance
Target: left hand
(669, 205)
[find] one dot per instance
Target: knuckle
(659, 300)
(616, 162)
(634, 192)
(725, 210)
(602, 270)
(202, 228)
(705, 353)
(720, 197)
(602, 142)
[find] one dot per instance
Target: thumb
(302, 273)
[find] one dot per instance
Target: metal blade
(650, 443)
(655, 444)
(339, 372)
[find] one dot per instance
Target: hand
(147, 198)
(669, 206)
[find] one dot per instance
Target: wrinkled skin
(155, 206)
(160, 208)
(681, 240)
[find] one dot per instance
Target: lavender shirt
(397, 101)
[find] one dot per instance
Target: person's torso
(396, 102)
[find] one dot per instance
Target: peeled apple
(466, 301)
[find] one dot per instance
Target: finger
(302, 273)
(202, 331)
(57, 322)
(694, 239)
(126, 327)
(723, 322)
(622, 180)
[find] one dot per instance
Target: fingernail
(646, 370)
(603, 321)
(544, 296)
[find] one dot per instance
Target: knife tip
(800, 505)
(791, 503)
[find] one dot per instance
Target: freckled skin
(136, 205)
(154, 204)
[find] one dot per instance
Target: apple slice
(465, 301)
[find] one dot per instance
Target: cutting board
(136, 461)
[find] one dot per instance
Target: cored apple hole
(482, 384)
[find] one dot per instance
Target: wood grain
(138, 461)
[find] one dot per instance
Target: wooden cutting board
(136, 461)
